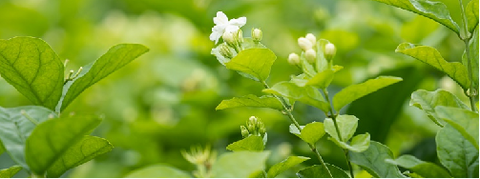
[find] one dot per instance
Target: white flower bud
(240, 35)
(311, 55)
(330, 51)
(228, 37)
(257, 35)
(304, 43)
(311, 38)
(293, 59)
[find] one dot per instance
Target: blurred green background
(164, 102)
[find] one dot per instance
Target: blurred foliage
(165, 101)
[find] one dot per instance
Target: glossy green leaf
(33, 68)
(465, 121)
(250, 143)
(284, 165)
(16, 125)
(116, 57)
(354, 92)
(432, 57)
(317, 171)
(312, 132)
(308, 94)
(347, 125)
(52, 139)
(253, 63)
(428, 100)
(422, 168)
(240, 164)
(251, 101)
(456, 153)
(436, 11)
(472, 62)
(85, 150)
(322, 80)
(373, 161)
(158, 171)
(471, 11)
(10, 172)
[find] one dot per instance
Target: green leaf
(85, 150)
(321, 80)
(253, 63)
(284, 165)
(158, 171)
(347, 125)
(373, 161)
(436, 11)
(16, 125)
(428, 100)
(471, 11)
(456, 153)
(33, 68)
(317, 171)
(354, 92)
(312, 132)
(424, 169)
(117, 57)
(308, 94)
(251, 101)
(52, 139)
(240, 164)
(10, 172)
(359, 143)
(250, 143)
(473, 54)
(464, 121)
(294, 130)
(2, 148)
(432, 57)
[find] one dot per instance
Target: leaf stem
(297, 125)
(24, 113)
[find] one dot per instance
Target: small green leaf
(322, 80)
(253, 63)
(317, 171)
(33, 68)
(52, 139)
(354, 92)
(465, 121)
(472, 63)
(359, 143)
(158, 171)
(250, 143)
(284, 165)
(251, 101)
(308, 94)
(294, 130)
(424, 169)
(85, 150)
(428, 100)
(456, 153)
(436, 11)
(242, 164)
(116, 57)
(471, 11)
(16, 125)
(312, 132)
(347, 125)
(373, 161)
(432, 57)
(10, 172)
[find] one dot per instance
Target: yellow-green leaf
(422, 168)
(471, 11)
(250, 143)
(254, 63)
(251, 101)
(10, 172)
(284, 165)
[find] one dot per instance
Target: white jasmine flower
(293, 59)
(222, 25)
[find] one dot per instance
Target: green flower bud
(226, 51)
(304, 43)
(311, 55)
(257, 35)
(293, 59)
(239, 36)
(330, 51)
(244, 131)
(311, 38)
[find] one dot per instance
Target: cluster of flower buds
(308, 45)
(254, 126)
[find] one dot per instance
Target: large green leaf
(436, 11)
(373, 161)
(284, 165)
(116, 57)
(312, 132)
(240, 164)
(10, 172)
(465, 121)
(317, 171)
(428, 100)
(33, 68)
(16, 124)
(422, 168)
(250, 143)
(347, 125)
(253, 63)
(251, 101)
(85, 150)
(52, 139)
(354, 92)
(471, 11)
(158, 171)
(307, 94)
(432, 57)
(456, 153)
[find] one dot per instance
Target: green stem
(297, 125)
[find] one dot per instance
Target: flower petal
(232, 28)
(221, 18)
(238, 22)
(217, 32)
